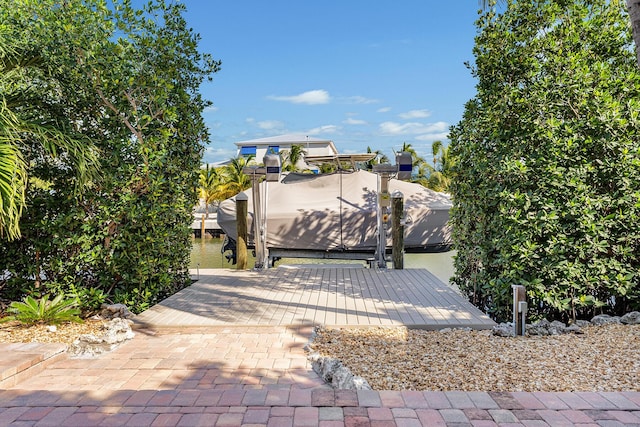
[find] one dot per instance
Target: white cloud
(312, 97)
(324, 130)
(351, 121)
(384, 110)
(210, 109)
(415, 114)
(412, 128)
(440, 136)
(217, 154)
(250, 120)
(360, 100)
(270, 124)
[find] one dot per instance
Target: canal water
(206, 253)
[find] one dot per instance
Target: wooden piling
(397, 230)
(241, 223)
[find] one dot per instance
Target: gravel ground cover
(602, 358)
(66, 333)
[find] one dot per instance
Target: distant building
(277, 144)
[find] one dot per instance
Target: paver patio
(258, 375)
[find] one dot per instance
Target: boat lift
(402, 170)
(272, 170)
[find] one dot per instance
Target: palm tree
(378, 159)
(233, 179)
(436, 149)
(438, 176)
(292, 157)
(208, 182)
(13, 176)
(416, 160)
(18, 134)
(208, 187)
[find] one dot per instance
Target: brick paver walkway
(194, 372)
(260, 377)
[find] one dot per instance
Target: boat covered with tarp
(337, 213)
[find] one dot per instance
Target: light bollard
(519, 309)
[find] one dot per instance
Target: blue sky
(362, 73)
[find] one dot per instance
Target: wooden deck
(313, 295)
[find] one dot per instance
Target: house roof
(288, 139)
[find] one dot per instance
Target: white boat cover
(337, 212)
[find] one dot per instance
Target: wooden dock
(316, 295)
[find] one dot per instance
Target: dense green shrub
(128, 81)
(547, 186)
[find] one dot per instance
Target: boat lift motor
(272, 164)
(405, 165)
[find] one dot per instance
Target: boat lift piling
(271, 172)
(241, 208)
(397, 229)
(402, 170)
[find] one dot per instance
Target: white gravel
(603, 358)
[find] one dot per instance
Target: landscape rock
(581, 323)
(115, 332)
(574, 328)
(603, 319)
(631, 318)
(503, 330)
(112, 311)
(333, 372)
(539, 328)
(556, 328)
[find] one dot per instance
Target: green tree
(22, 130)
(416, 159)
(292, 157)
(633, 6)
(547, 171)
(438, 176)
(208, 190)
(378, 159)
(208, 186)
(233, 179)
(127, 80)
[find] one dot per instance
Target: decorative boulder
(335, 373)
(90, 345)
(112, 311)
(556, 328)
(503, 330)
(631, 318)
(581, 323)
(541, 327)
(603, 319)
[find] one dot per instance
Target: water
(206, 254)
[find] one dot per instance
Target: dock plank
(349, 297)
